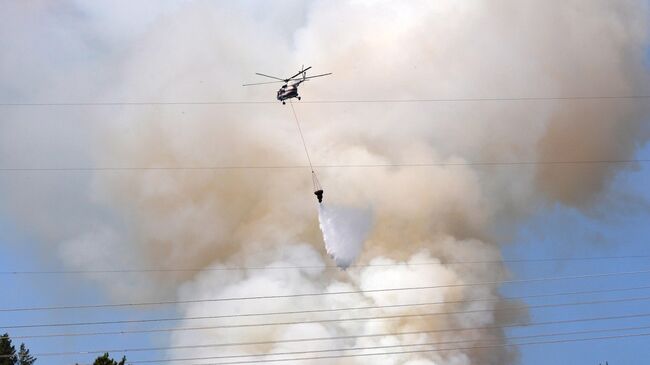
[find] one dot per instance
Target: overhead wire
(364, 348)
(637, 335)
(334, 320)
(437, 343)
(297, 295)
(324, 267)
(312, 166)
(340, 101)
(324, 166)
(329, 338)
(326, 310)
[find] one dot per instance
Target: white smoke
(381, 274)
(345, 230)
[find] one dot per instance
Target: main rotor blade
(311, 77)
(299, 73)
(264, 83)
(273, 77)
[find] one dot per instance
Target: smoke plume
(265, 218)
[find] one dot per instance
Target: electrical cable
(332, 320)
(304, 352)
(395, 353)
(351, 101)
(312, 339)
(239, 315)
(434, 350)
(329, 166)
(501, 282)
(323, 267)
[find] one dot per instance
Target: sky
(564, 233)
(77, 52)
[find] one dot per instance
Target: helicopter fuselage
(288, 91)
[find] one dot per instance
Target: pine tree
(105, 360)
(24, 358)
(7, 351)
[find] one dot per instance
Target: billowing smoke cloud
(266, 218)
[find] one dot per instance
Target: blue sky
(53, 290)
(564, 232)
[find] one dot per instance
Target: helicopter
(288, 91)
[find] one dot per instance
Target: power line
(340, 349)
(517, 281)
(321, 166)
(333, 320)
(350, 101)
(435, 350)
(312, 339)
(324, 267)
(304, 352)
(239, 315)
(412, 351)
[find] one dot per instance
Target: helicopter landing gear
(283, 103)
(299, 98)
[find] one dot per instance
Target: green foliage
(8, 355)
(105, 360)
(24, 358)
(7, 351)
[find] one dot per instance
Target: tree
(24, 358)
(7, 351)
(105, 360)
